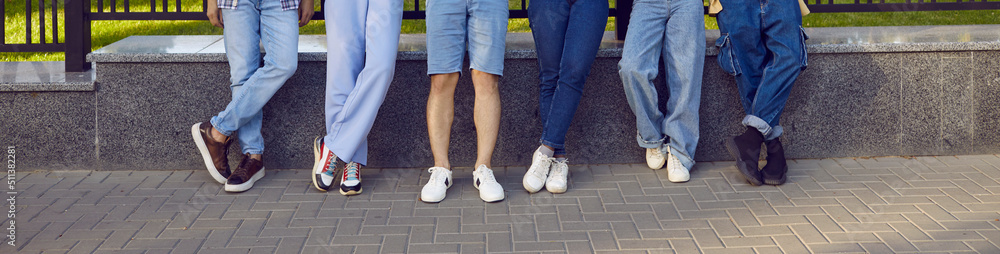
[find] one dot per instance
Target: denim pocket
(804, 56)
(726, 57)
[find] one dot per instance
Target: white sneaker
(654, 158)
(558, 177)
(676, 172)
(534, 179)
(489, 189)
(437, 187)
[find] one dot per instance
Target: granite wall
(845, 104)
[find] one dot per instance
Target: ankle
(546, 150)
(258, 157)
(218, 136)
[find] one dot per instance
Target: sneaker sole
(351, 193)
(246, 185)
(431, 200)
(740, 165)
(555, 190)
(684, 180)
(317, 153)
(488, 200)
(779, 181)
(207, 157)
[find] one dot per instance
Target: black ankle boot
(745, 148)
(774, 172)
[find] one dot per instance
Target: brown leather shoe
(214, 153)
(249, 171)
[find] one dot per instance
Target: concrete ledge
(209, 48)
(867, 92)
(43, 77)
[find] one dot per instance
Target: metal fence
(78, 15)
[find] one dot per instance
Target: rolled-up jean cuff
(686, 160)
(253, 151)
(762, 126)
(215, 124)
(649, 144)
(554, 146)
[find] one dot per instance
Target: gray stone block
(49, 130)
(986, 85)
(844, 105)
(921, 97)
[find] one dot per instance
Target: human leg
(684, 58)
(446, 37)
(548, 20)
(638, 67)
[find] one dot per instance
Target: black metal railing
(78, 14)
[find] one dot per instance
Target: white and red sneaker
(350, 181)
(325, 166)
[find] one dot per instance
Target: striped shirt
(285, 4)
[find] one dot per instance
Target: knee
(443, 83)
(286, 67)
(633, 70)
(488, 89)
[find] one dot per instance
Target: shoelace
(561, 171)
(657, 154)
(539, 174)
(331, 160)
(436, 175)
(351, 171)
(241, 171)
(486, 176)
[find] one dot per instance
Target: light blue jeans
(248, 27)
(675, 31)
(362, 38)
(451, 24)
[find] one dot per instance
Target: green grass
(107, 32)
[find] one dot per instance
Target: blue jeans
(567, 37)
(256, 23)
(675, 31)
(763, 46)
(453, 24)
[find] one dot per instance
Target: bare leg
(440, 115)
(487, 115)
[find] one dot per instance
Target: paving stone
(499, 242)
(983, 246)
(706, 238)
(941, 246)
(835, 247)
(603, 241)
(893, 205)
(434, 248)
(579, 247)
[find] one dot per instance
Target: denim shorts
(453, 23)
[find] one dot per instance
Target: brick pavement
(875, 205)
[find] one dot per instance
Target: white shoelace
(563, 169)
(351, 171)
(486, 175)
(437, 175)
(539, 174)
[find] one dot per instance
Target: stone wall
(867, 92)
